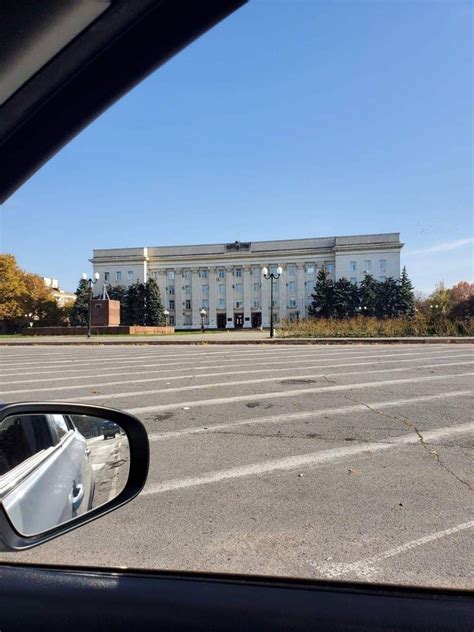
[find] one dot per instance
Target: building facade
(226, 279)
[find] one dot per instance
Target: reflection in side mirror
(55, 467)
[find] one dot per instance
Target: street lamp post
(90, 283)
(166, 314)
(272, 277)
(203, 315)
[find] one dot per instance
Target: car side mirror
(63, 465)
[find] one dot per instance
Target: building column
(265, 294)
(283, 296)
(178, 300)
(247, 282)
(301, 290)
(229, 297)
(212, 315)
(195, 299)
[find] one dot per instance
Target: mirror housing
(11, 539)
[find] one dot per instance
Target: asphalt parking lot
(341, 462)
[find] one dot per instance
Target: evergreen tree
(80, 310)
(388, 299)
(154, 309)
(135, 304)
(322, 305)
(346, 298)
(406, 295)
(119, 293)
(369, 296)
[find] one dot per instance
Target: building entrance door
(221, 321)
(256, 320)
(238, 321)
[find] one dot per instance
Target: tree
(388, 303)
(12, 290)
(406, 305)
(346, 299)
(462, 297)
(322, 305)
(119, 293)
(369, 296)
(154, 315)
(135, 304)
(440, 301)
(462, 291)
(80, 310)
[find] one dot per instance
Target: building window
(367, 266)
(171, 304)
(292, 286)
(353, 280)
(256, 287)
(205, 290)
(309, 286)
(238, 272)
(221, 274)
(130, 274)
(292, 302)
(187, 289)
(170, 275)
(205, 303)
(187, 320)
(187, 274)
(238, 304)
(221, 303)
(171, 289)
(291, 270)
(187, 304)
(118, 275)
(106, 276)
(330, 268)
(256, 303)
(171, 320)
(238, 288)
(221, 289)
(273, 269)
(203, 274)
(353, 266)
(383, 265)
(274, 303)
(310, 268)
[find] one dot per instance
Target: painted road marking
(325, 412)
(364, 569)
(291, 393)
(100, 384)
(169, 371)
(306, 460)
(263, 380)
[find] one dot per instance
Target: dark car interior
(55, 55)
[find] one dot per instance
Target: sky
(290, 119)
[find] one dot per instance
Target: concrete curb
(261, 341)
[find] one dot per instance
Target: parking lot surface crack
(409, 423)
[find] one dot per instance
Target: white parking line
(100, 384)
(263, 380)
(291, 393)
(244, 355)
(364, 569)
(324, 412)
(170, 367)
(306, 460)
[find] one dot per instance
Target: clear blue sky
(289, 119)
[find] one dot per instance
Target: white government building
(226, 279)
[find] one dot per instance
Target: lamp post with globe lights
(271, 276)
(90, 283)
(166, 315)
(203, 315)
